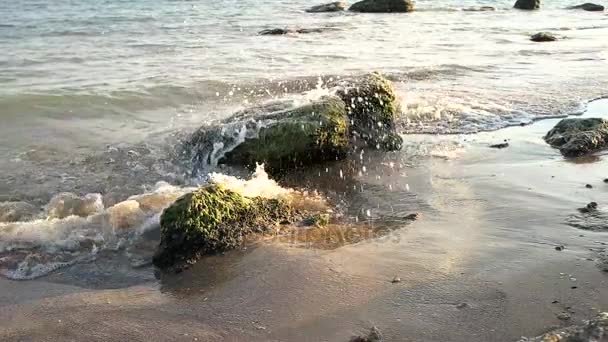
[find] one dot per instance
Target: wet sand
(480, 265)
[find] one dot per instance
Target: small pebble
(559, 248)
(396, 280)
(555, 302)
(588, 186)
(563, 316)
(574, 287)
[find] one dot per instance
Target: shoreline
(480, 265)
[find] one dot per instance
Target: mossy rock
(527, 4)
(373, 109)
(309, 134)
(210, 220)
(577, 137)
(382, 6)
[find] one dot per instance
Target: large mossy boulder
(527, 4)
(363, 109)
(373, 109)
(576, 137)
(211, 220)
(382, 6)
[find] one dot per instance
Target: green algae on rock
(577, 137)
(210, 220)
(373, 109)
(312, 133)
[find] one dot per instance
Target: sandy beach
(479, 265)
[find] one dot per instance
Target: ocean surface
(95, 95)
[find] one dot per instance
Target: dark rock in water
(382, 6)
(281, 31)
(479, 9)
(588, 186)
(501, 145)
(17, 211)
(413, 217)
(374, 336)
(543, 37)
(577, 137)
(527, 4)
(462, 306)
(559, 248)
(605, 180)
(591, 219)
(210, 220)
(330, 7)
(373, 109)
(594, 330)
(588, 7)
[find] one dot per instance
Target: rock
(499, 146)
(17, 211)
(308, 134)
(382, 6)
(527, 4)
(412, 217)
(602, 261)
(210, 220)
(588, 186)
(373, 109)
(396, 280)
(365, 109)
(559, 248)
(330, 7)
(577, 137)
(374, 336)
(68, 204)
(479, 9)
(563, 316)
(462, 306)
(605, 180)
(588, 7)
(282, 31)
(594, 330)
(543, 37)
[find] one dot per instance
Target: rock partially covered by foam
(336, 6)
(527, 4)
(595, 330)
(210, 220)
(282, 137)
(382, 6)
(17, 211)
(576, 137)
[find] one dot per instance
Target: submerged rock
(283, 31)
(590, 218)
(330, 7)
(365, 109)
(501, 145)
(374, 336)
(17, 211)
(543, 37)
(479, 9)
(577, 137)
(595, 330)
(588, 7)
(527, 4)
(382, 6)
(210, 220)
